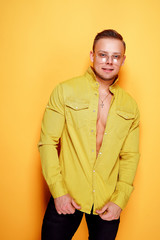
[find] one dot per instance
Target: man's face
(107, 58)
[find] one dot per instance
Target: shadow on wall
(45, 192)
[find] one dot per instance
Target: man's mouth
(107, 69)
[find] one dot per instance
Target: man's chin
(104, 78)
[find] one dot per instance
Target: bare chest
(103, 110)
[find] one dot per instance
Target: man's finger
(76, 205)
(102, 210)
(71, 209)
(107, 216)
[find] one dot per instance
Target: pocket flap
(76, 105)
(125, 115)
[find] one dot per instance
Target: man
(97, 125)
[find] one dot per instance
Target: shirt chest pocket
(124, 122)
(77, 113)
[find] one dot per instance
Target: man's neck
(104, 84)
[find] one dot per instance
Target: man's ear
(123, 60)
(91, 56)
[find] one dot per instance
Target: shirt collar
(91, 75)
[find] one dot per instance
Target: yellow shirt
(70, 120)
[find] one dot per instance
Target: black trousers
(62, 227)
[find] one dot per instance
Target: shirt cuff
(121, 194)
(58, 189)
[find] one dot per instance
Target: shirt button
(92, 130)
(92, 150)
(93, 170)
(76, 107)
(100, 153)
(105, 133)
(93, 190)
(94, 110)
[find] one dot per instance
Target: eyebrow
(108, 52)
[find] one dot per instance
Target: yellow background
(44, 43)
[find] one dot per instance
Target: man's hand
(66, 205)
(110, 211)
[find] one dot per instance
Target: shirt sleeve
(51, 131)
(129, 157)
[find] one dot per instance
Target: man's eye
(116, 56)
(102, 55)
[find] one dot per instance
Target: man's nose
(109, 60)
